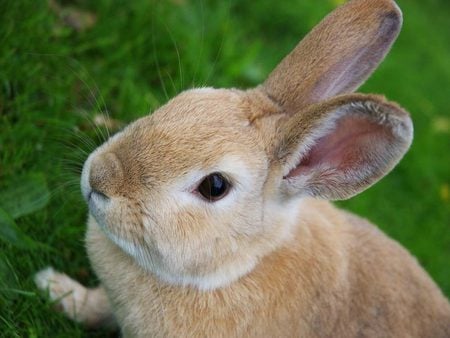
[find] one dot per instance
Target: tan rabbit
(208, 218)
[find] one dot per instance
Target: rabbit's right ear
(337, 56)
(338, 148)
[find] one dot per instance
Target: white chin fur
(222, 278)
(226, 274)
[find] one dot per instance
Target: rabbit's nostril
(105, 174)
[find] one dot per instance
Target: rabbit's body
(202, 217)
(337, 276)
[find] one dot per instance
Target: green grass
(54, 80)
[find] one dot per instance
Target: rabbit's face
(149, 188)
(199, 191)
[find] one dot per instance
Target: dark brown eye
(214, 187)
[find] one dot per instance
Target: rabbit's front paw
(69, 295)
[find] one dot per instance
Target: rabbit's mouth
(96, 199)
(97, 203)
(96, 195)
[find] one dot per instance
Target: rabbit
(212, 217)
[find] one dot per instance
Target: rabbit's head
(204, 187)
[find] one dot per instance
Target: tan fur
(266, 260)
(338, 277)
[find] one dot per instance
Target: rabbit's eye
(214, 187)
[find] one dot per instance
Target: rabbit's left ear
(337, 56)
(338, 148)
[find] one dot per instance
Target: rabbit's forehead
(192, 133)
(205, 106)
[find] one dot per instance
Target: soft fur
(272, 258)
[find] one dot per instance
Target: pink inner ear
(346, 148)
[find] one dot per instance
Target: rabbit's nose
(105, 174)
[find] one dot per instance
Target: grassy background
(62, 64)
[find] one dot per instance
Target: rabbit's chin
(150, 260)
